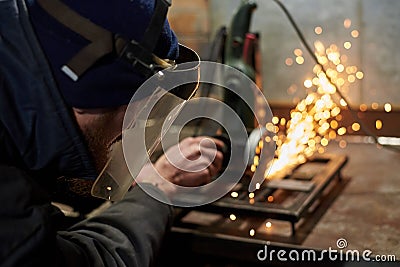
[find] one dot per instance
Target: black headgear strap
(103, 42)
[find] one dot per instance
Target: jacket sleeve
(129, 233)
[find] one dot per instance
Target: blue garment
(39, 141)
(32, 111)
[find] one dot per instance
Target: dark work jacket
(39, 142)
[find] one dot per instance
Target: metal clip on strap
(140, 55)
(101, 39)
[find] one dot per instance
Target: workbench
(363, 211)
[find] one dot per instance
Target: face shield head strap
(103, 42)
(140, 54)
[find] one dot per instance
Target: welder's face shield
(149, 115)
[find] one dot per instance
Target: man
(55, 134)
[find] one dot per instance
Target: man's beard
(98, 137)
(97, 146)
(99, 140)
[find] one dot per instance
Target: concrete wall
(190, 20)
(375, 51)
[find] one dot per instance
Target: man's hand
(193, 162)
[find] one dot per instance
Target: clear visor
(151, 112)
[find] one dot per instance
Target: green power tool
(240, 53)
